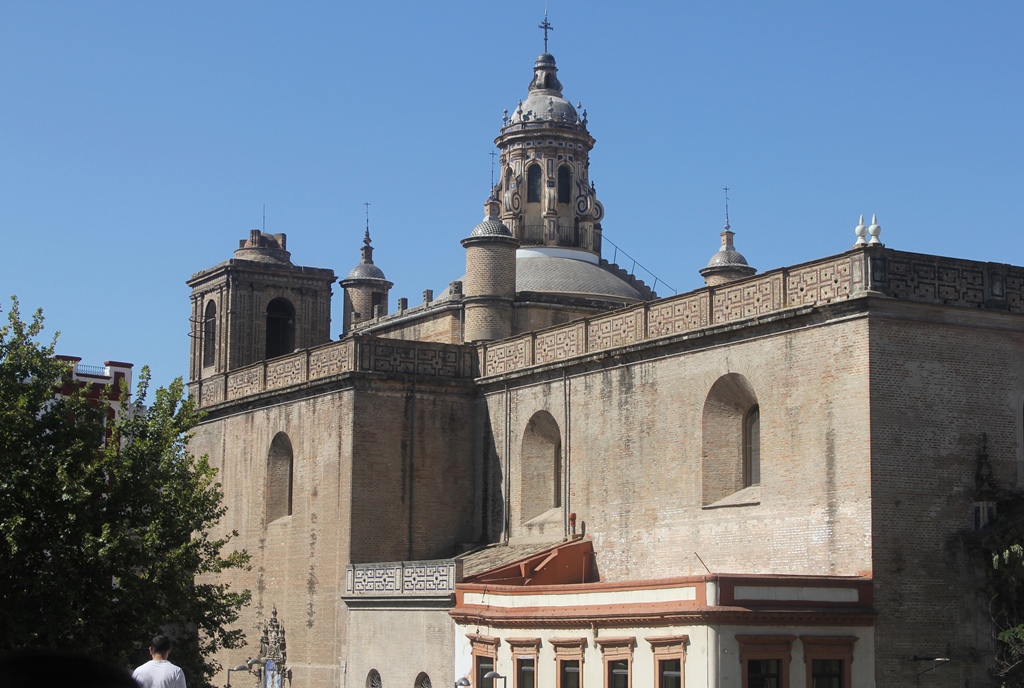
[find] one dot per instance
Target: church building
(548, 476)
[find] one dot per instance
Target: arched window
(731, 439)
(280, 466)
(752, 447)
(210, 334)
(373, 679)
(533, 184)
(280, 328)
(564, 184)
(541, 459)
(422, 681)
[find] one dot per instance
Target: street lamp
(493, 675)
(240, 667)
(462, 683)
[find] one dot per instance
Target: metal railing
(632, 270)
(566, 235)
(99, 371)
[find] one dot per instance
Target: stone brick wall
(491, 269)
(941, 378)
(633, 456)
(385, 466)
(296, 559)
(242, 290)
(401, 644)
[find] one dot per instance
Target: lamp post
(240, 667)
(462, 683)
(493, 675)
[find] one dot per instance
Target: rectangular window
(526, 670)
(670, 673)
(763, 673)
(828, 660)
(827, 673)
(570, 670)
(765, 660)
(483, 665)
(618, 673)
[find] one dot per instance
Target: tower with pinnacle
(545, 192)
(366, 288)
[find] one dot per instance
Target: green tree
(102, 541)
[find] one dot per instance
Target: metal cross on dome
(547, 27)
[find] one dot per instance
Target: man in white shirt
(158, 672)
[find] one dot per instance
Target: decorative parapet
(860, 272)
(435, 578)
(355, 353)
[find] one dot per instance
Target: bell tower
(256, 306)
(547, 198)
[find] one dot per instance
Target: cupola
(366, 289)
(728, 264)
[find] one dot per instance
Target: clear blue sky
(139, 141)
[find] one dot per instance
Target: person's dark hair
(160, 644)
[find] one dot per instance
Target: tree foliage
(1004, 560)
(101, 542)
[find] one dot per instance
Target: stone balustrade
(354, 353)
(859, 272)
(403, 578)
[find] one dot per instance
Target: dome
(366, 271)
(538, 271)
(727, 258)
(545, 102)
(728, 264)
(544, 108)
(491, 226)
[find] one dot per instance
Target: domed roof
(545, 102)
(727, 258)
(728, 261)
(366, 271)
(544, 108)
(491, 226)
(537, 271)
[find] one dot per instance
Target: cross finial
(547, 27)
(726, 190)
(366, 239)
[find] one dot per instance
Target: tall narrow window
(524, 659)
(670, 673)
(280, 328)
(484, 665)
(564, 184)
(569, 670)
(669, 659)
(541, 466)
(279, 478)
(569, 661)
(485, 652)
(210, 334)
(533, 184)
(752, 447)
(731, 442)
(526, 672)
